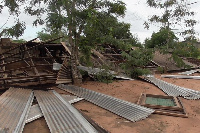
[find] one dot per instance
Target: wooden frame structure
(177, 110)
(31, 63)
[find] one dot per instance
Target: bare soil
(131, 91)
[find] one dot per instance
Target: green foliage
(184, 49)
(104, 77)
(135, 60)
(161, 38)
(19, 26)
(19, 41)
(134, 42)
(179, 50)
(56, 21)
(103, 28)
(15, 31)
(13, 6)
(160, 69)
(118, 7)
(46, 34)
(139, 72)
(179, 61)
(174, 13)
(86, 51)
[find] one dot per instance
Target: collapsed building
(32, 62)
(37, 63)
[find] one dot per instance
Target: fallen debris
(164, 105)
(190, 72)
(64, 75)
(130, 111)
(15, 104)
(30, 63)
(94, 71)
(173, 90)
(165, 60)
(60, 115)
(35, 111)
(180, 77)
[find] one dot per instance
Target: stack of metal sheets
(15, 104)
(120, 107)
(60, 115)
(173, 90)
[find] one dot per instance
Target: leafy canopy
(161, 38)
(175, 14)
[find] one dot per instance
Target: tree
(45, 35)
(137, 59)
(19, 41)
(160, 38)
(82, 19)
(175, 14)
(87, 23)
(19, 26)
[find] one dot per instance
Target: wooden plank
(32, 63)
(13, 48)
(66, 48)
(62, 82)
(171, 114)
(14, 61)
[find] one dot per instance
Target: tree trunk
(76, 76)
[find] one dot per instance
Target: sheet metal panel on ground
(120, 107)
(60, 115)
(180, 76)
(173, 90)
(190, 72)
(15, 104)
(35, 111)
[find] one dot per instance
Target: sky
(137, 13)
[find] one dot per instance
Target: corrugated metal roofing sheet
(95, 71)
(60, 115)
(14, 107)
(190, 72)
(35, 111)
(180, 76)
(173, 90)
(130, 111)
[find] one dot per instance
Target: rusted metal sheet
(15, 104)
(60, 115)
(130, 111)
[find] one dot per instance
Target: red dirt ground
(131, 91)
